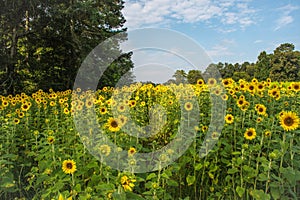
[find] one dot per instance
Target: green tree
(193, 76)
(44, 43)
(180, 76)
(285, 63)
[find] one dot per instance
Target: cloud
(145, 13)
(285, 17)
(221, 49)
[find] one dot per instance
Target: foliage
(48, 40)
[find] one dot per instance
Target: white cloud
(285, 17)
(221, 49)
(145, 13)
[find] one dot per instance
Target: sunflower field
(256, 155)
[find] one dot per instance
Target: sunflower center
(114, 124)
(250, 133)
(69, 165)
(261, 109)
(288, 121)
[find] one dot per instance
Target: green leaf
(133, 196)
(232, 171)
(151, 176)
(260, 195)
(190, 179)
(198, 166)
(171, 182)
(240, 191)
(275, 193)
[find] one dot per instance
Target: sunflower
(289, 120)
(268, 133)
(105, 149)
(66, 111)
(16, 121)
(211, 82)
(200, 82)
(113, 124)
(25, 107)
(50, 139)
(229, 118)
(296, 86)
(250, 134)
(121, 108)
(122, 119)
(69, 166)
(103, 110)
(204, 128)
(258, 120)
(225, 97)
(131, 151)
(261, 109)
(127, 183)
(188, 106)
(240, 102)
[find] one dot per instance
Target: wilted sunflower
(229, 118)
(69, 166)
(289, 120)
(250, 134)
(113, 124)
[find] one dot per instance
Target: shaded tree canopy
(43, 43)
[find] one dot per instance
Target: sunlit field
(255, 156)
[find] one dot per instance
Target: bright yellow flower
(289, 120)
(250, 134)
(69, 166)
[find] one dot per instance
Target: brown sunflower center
(69, 165)
(288, 121)
(114, 124)
(249, 133)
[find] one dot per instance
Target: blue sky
(228, 30)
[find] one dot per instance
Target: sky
(232, 31)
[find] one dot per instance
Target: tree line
(283, 64)
(43, 44)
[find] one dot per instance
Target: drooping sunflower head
(289, 120)
(69, 166)
(250, 134)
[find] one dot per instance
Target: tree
(285, 63)
(48, 40)
(193, 76)
(180, 76)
